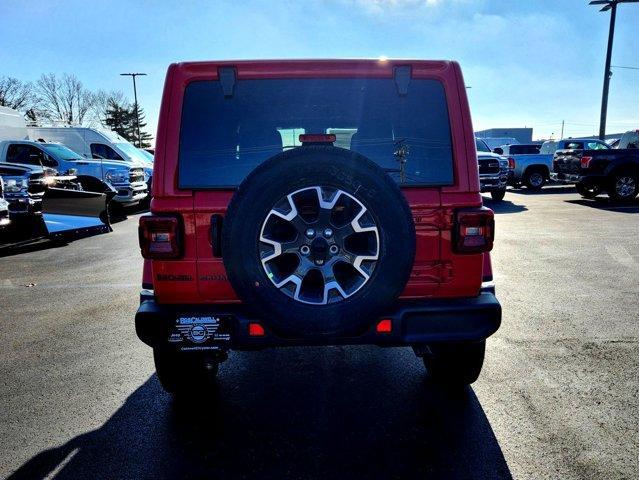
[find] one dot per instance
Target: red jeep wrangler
(315, 202)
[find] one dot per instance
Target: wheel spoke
(324, 217)
(292, 246)
(303, 268)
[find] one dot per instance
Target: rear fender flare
(626, 164)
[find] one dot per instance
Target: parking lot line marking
(621, 255)
(67, 286)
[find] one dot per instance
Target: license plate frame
(196, 331)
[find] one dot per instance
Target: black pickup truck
(615, 171)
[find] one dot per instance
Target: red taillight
(585, 162)
(384, 326)
(160, 237)
(317, 138)
(474, 230)
(256, 330)
(511, 162)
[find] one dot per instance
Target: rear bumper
(570, 178)
(565, 177)
(414, 322)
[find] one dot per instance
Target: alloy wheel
(625, 186)
(319, 245)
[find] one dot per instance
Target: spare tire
(317, 240)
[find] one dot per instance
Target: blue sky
(530, 63)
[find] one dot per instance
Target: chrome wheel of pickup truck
(624, 187)
(319, 245)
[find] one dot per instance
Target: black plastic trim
(216, 235)
(414, 322)
(228, 77)
(402, 76)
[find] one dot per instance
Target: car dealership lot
(558, 397)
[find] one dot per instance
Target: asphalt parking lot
(558, 397)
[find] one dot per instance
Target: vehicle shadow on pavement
(604, 203)
(547, 190)
(504, 206)
(292, 424)
(19, 246)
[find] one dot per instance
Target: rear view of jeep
(331, 202)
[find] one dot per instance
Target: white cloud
(384, 7)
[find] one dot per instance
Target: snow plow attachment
(71, 212)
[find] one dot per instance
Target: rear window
(524, 149)
(597, 146)
(548, 148)
(223, 138)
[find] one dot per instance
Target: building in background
(523, 135)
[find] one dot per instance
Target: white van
(12, 125)
(91, 143)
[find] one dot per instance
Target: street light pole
(135, 99)
(607, 74)
(612, 6)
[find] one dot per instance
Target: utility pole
(612, 6)
(135, 99)
(562, 129)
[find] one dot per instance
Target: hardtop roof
(380, 67)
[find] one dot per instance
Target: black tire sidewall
(585, 192)
(533, 187)
(498, 195)
(455, 364)
(327, 167)
(182, 373)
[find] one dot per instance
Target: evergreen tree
(121, 119)
(145, 137)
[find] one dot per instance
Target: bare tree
(64, 99)
(17, 94)
(102, 101)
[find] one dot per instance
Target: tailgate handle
(216, 235)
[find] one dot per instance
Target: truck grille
(136, 175)
(488, 166)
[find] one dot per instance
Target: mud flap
(75, 211)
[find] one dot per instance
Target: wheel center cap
(319, 250)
